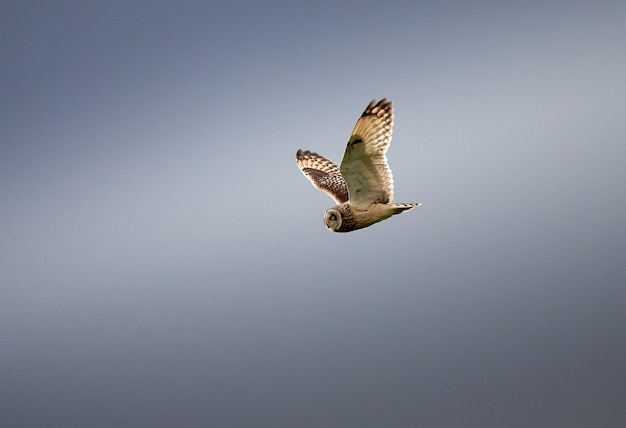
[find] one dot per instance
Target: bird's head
(337, 218)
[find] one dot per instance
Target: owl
(362, 186)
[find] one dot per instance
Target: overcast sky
(164, 263)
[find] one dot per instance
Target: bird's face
(332, 219)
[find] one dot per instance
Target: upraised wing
(324, 174)
(364, 166)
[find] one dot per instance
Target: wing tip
(382, 104)
(302, 154)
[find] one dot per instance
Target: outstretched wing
(364, 165)
(324, 174)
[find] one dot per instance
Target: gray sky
(164, 263)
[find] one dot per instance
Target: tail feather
(401, 207)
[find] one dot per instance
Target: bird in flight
(362, 186)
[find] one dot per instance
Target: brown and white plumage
(363, 185)
(324, 174)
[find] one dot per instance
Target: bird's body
(363, 185)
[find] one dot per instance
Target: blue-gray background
(164, 263)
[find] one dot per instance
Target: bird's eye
(332, 217)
